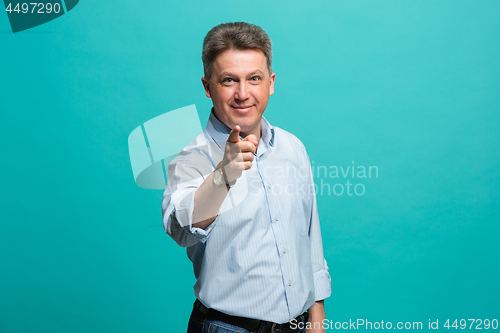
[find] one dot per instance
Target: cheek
(263, 94)
(224, 95)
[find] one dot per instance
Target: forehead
(240, 61)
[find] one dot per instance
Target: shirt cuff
(322, 283)
(201, 234)
(183, 210)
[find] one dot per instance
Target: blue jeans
(214, 326)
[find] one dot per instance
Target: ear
(206, 85)
(271, 83)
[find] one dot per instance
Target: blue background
(411, 87)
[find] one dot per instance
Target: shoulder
(194, 148)
(195, 156)
(288, 140)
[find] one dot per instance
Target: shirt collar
(220, 132)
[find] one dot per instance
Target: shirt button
(284, 250)
(276, 217)
(269, 186)
(290, 282)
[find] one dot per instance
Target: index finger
(234, 136)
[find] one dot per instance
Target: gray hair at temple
(234, 36)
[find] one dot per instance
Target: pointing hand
(238, 154)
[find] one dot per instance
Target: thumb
(234, 136)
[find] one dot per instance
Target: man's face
(240, 87)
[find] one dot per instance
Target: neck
(257, 131)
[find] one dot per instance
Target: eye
(255, 78)
(228, 80)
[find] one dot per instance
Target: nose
(242, 92)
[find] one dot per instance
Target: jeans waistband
(252, 325)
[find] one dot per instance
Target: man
(241, 198)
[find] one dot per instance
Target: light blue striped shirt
(262, 257)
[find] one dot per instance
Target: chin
(246, 122)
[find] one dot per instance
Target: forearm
(207, 202)
(316, 317)
(238, 156)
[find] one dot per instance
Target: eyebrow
(257, 71)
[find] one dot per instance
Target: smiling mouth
(242, 108)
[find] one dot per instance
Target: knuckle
(247, 145)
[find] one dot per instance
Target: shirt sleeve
(183, 179)
(321, 275)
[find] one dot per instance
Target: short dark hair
(236, 36)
